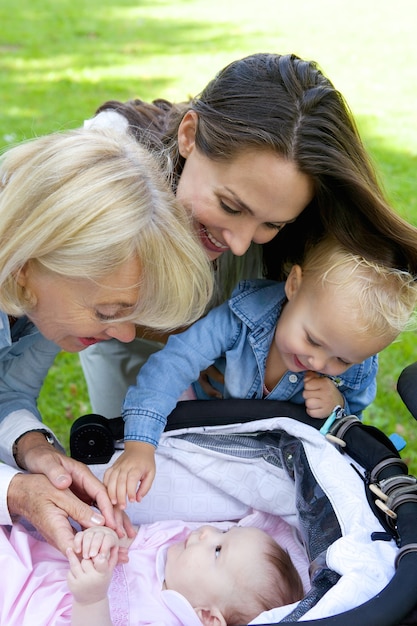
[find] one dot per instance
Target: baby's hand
(321, 395)
(89, 579)
(136, 464)
(98, 540)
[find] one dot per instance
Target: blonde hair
(279, 584)
(80, 204)
(381, 298)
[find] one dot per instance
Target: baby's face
(212, 566)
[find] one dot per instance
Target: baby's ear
(211, 617)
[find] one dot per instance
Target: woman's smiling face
(236, 201)
(77, 312)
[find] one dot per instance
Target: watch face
(49, 438)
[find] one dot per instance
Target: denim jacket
(25, 358)
(241, 330)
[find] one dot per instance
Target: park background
(60, 59)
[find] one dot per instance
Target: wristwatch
(49, 438)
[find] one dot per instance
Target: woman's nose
(239, 240)
(123, 331)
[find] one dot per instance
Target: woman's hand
(48, 508)
(69, 476)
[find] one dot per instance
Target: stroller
(348, 495)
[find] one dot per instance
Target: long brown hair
(287, 105)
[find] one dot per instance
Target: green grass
(61, 59)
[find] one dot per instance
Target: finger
(107, 475)
(121, 517)
(133, 479)
(48, 461)
(87, 566)
(112, 479)
(98, 545)
(114, 557)
(144, 486)
(78, 542)
(123, 555)
(87, 487)
(126, 524)
(101, 563)
(74, 563)
(80, 511)
(315, 410)
(121, 494)
(86, 545)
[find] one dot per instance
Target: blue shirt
(241, 330)
(25, 358)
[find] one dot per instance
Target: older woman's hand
(48, 508)
(67, 475)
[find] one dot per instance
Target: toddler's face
(318, 330)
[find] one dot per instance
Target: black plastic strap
(411, 547)
(380, 467)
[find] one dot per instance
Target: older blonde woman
(93, 243)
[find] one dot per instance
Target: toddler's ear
(211, 617)
(293, 282)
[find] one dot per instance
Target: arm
(47, 508)
(159, 385)
(203, 379)
(170, 371)
(89, 578)
(24, 365)
(72, 478)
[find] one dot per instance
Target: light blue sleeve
(23, 368)
(170, 371)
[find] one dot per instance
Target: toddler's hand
(321, 395)
(136, 464)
